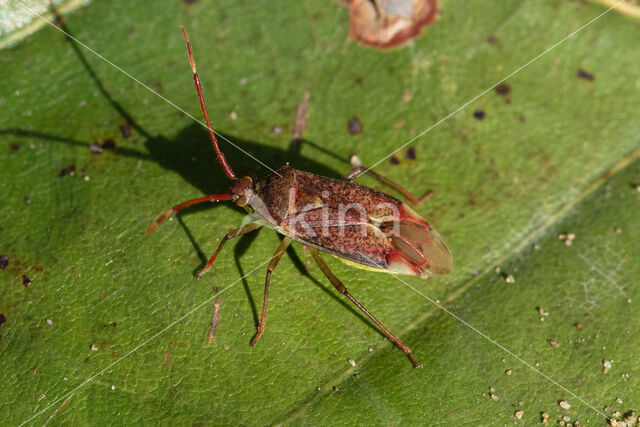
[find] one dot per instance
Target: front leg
(356, 172)
(234, 232)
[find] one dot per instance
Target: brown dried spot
(189, 2)
(300, 125)
(69, 170)
(125, 130)
(355, 126)
(215, 319)
(585, 75)
(503, 89)
(410, 153)
(358, 81)
(385, 24)
(25, 281)
(394, 160)
(492, 40)
(4, 261)
(2, 319)
(58, 21)
(14, 147)
(108, 144)
(479, 114)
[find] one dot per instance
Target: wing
(378, 232)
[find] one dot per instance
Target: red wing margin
(404, 246)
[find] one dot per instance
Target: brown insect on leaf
(360, 226)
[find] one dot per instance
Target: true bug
(384, 234)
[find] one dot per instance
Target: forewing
(415, 242)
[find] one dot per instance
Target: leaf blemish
(69, 170)
(410, 153)
(355, 126)
(479, 114)
(384, 25)
(125, 130)
(503, 89)
(98, 147)
(585, 75)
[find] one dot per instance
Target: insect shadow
(188, 155)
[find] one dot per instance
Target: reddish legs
(230, 235)
(176, 208)
(272, 266)
(356, 172)
(196, 80)
(343, 290)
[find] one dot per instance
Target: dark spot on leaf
(96, 148)
(108, 144)
(26, 200)
(355, 126)
(492, 40)
(503, 89)
(69, 170)
(125, 130)
(189, 2)
(384, 24)
(471, 200)
(479, 114)
(59, 21)
(410, 153)
(582, 74)
(14, 147)
(4, 261)
(394, 160)
(25, 281)
(358, 81)
(523, 118)
(2, 319)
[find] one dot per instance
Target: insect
(361, 226)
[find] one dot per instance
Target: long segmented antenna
(196, 79)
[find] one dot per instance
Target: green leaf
(114, 329)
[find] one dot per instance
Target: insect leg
(176, 208)
(343, 290)
(234, 232)
(272, 266)
(356, 172)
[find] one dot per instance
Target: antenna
(196, 79)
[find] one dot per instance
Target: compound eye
(242, 201)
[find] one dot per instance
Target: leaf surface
(113, 327)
